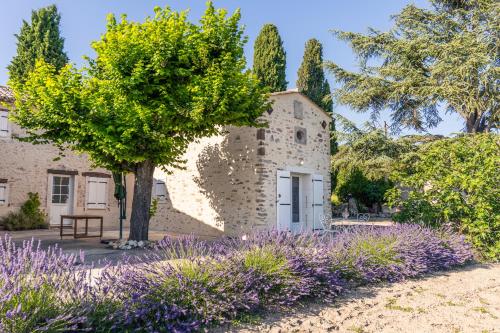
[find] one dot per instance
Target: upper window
(4, 123)
(159, 190)
(3, 194)
(300, 135)
(97, 192)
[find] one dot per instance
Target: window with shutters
(97, 193)
(4, 123)
(3, 194)
(160, 190)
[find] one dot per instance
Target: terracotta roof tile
(6, 94)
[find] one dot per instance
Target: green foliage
(367, 192)
(446, 56)
(364, 163)
(29, 217)
(39, 40)
(269, 59)
(153, 208)
(152, 88)
(454, 181)
(40, 304)
(265, 261)
(375, 252)
(311, 77)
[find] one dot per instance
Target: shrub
(40, 290)
(454, 181)
(30, 216)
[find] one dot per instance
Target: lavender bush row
(189, 284)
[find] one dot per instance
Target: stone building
(249, 179)
(243, 180)
(66, 186)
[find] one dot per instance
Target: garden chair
(326, 223)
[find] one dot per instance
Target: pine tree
(312, 82)
(440, 58)
(269, 59)
(40, 39)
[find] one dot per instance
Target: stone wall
(307, 153)
(215, 193)
(229, 181)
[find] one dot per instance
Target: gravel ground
(464, 300)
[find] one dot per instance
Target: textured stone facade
(229, 181)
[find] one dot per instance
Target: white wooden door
(283, 200)
(318, 199)
(61, 198)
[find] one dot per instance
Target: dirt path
(465, 300)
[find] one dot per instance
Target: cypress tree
(269, 59)
(311, 77)
(39, 40)
(312, 82)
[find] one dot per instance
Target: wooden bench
(75, 219)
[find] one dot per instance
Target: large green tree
(39, 39)
(152, 88)
(311, 82)
(442, 58)
(269, 59)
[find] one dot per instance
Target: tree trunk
(143, 186)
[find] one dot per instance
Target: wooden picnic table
(75, 219)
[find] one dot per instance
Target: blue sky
(84, 20)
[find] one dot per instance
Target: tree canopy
(152, 88)
(445, 57)
(269, 59)
(39, 39)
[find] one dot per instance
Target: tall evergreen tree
(312, 82)
(39, 40)
(311, 77)
(269, 59)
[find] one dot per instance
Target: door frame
(307, 214)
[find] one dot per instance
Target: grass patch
(391, 305)
(483, 310)
(356, 329)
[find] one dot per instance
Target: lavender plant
(40, 290)
(187, 284)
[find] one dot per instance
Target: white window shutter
(160, 191)
(283, 200)
(318, 199)
(4, 123)
(3, 194)
(97, 193)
